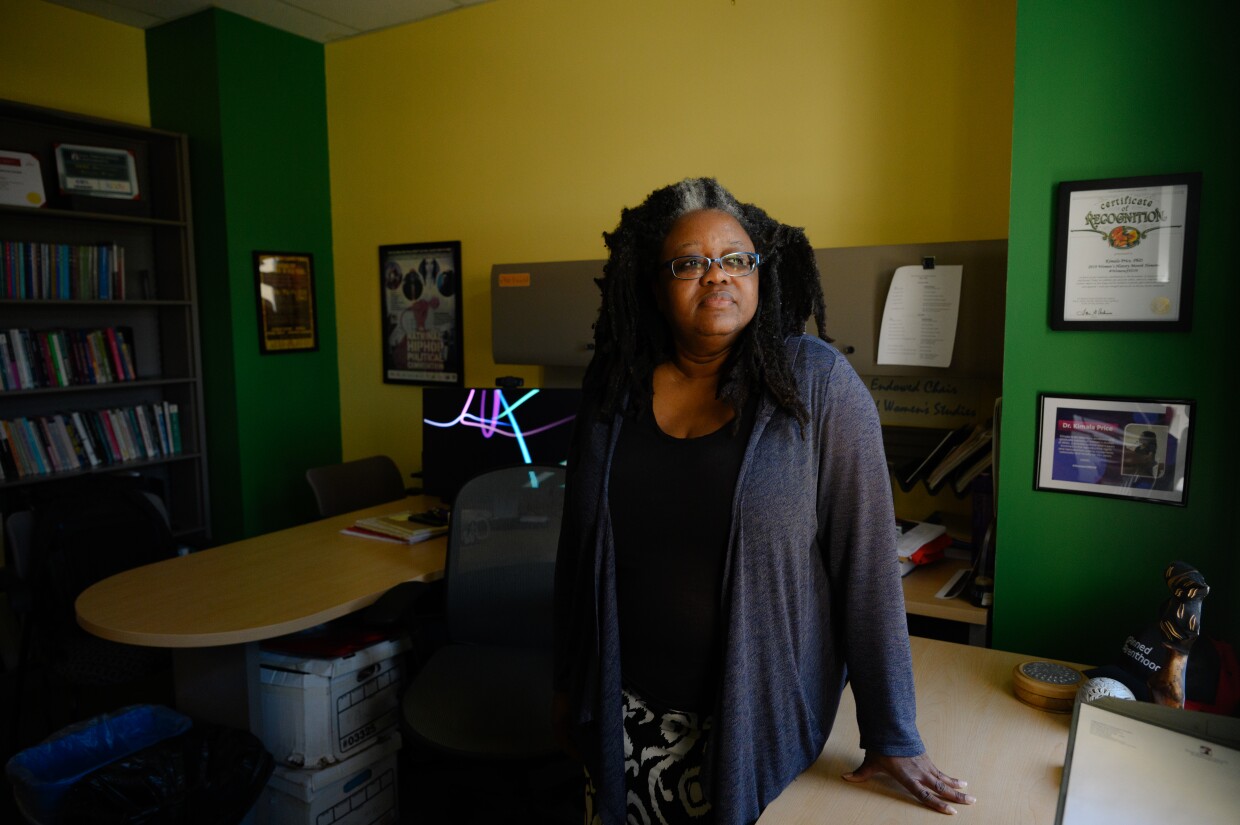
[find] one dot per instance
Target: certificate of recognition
(1126, 251)
(21, 181)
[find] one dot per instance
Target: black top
(671, 509)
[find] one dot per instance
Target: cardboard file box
(316, 712)
(360, 790)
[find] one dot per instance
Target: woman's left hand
(931, 786)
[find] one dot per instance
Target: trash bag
(41, 775)
(165, 768)
(209, 775)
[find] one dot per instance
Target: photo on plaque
(97, 171)
(420, 294)
(1121, 447)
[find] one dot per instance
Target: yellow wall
(521, 129)
(62, 59)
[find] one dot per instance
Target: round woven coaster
(1046, 685)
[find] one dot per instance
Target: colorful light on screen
(497, 417)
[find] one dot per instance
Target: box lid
(305, 783)
(339, 666)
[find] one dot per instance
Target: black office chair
(75, 534)
(352, 485)
(486, 692)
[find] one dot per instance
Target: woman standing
(727, 561)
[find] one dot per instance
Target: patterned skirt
(664, 751)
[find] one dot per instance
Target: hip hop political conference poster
(1128, 448)
(421, 300)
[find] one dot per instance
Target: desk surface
(257, 588)
(296, 578)
(974, 728)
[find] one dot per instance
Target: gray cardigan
(811, 597)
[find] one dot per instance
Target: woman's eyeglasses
(734, 265)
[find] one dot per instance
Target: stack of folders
(960, 457)
(394, 527)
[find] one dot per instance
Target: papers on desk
(1138, 762)
(919, 318)
(394, 527)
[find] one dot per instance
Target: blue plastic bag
(42, 774)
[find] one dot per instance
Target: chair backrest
(83, 531)
(500, 568)
(364, 482)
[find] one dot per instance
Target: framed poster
(420, 296)
(284, 284)
(1135, 448)
(1126, 253)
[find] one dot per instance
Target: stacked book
(394, 527)
(30, 359)
(62, 271)
(956, 460)
(84, 439)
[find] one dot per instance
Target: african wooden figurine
(1180, 622)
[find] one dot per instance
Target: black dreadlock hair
(631, 337)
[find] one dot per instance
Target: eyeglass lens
(736, 264)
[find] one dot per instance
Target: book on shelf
(63, 357)
(8, 456)
(970, 448)
(394, 527)
(161, 431)
(86, 439)
(908, 476)
(967, 476)
(12, 381)
(62, 271)
(174, 425)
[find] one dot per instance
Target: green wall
(253, 102)
(1102, 94)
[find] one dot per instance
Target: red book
(118, 363)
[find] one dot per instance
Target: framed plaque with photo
(1136, 448)
(98, 171)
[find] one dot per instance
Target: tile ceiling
(321, 20)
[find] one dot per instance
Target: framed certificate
(286, 314)
(1136, 448)
(420, 294)
(97, 171)
(1126, 253)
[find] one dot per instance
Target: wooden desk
(257, 588)
(919, 599)
(974, 728)
(213, 607)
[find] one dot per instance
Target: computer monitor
(466, 431)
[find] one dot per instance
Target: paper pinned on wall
(919, 318)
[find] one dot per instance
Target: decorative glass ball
(1101, 686)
